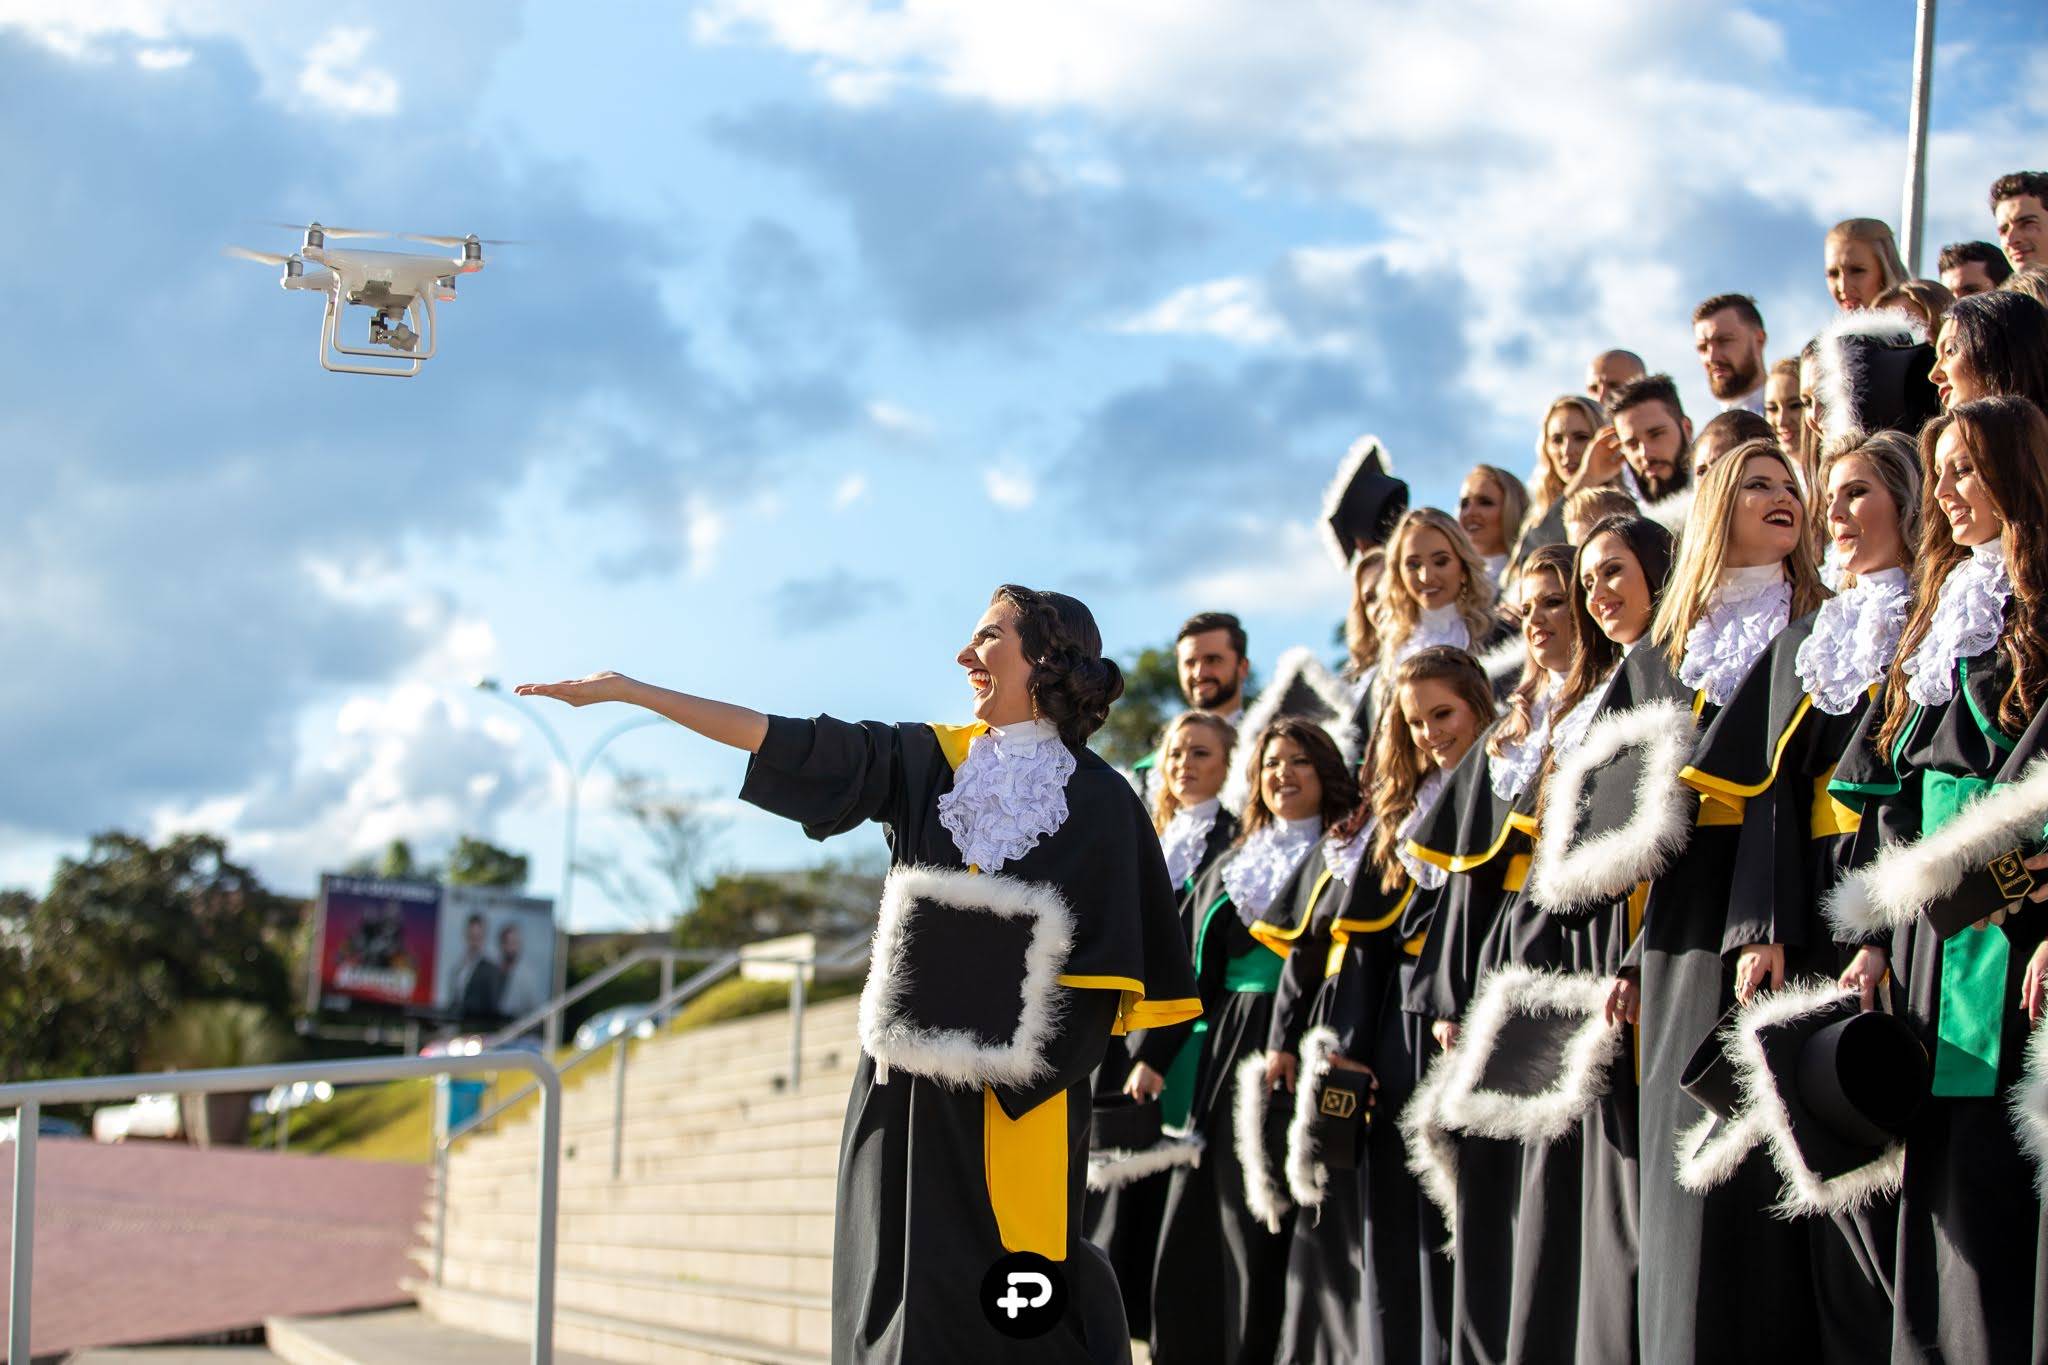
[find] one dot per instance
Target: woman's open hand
(605, 686)
(1144, 1083)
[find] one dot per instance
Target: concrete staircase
(715, 1244)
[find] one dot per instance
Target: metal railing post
(619, 1103)
(796, 1026)
(30, 1123)
(668, 978)
(544, 1231)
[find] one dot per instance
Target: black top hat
(1870, 375)
(1119, 1123)
(1343, 1108)
(1713, 1149)
(1364, 501)
(1848, 1080)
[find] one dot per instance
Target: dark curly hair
(1340, 786)
(1072, 685)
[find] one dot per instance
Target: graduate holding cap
(1940, 771)
(1028, 916)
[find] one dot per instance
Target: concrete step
(173, 1355)
(677, 1114)
(785, 1186)
(808, 1270)
(609, 1338)
(804, 1125)
(638, 1164)
(780, 1319)
(746, 1224)
(406, 1334)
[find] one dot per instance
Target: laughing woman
(1301, 785)
(1745, 568)
(1023, 871)
(1772, 750)
(1959, 717)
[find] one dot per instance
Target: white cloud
(894, 419)
(1011, 488)
(852, 489)
(1233, 309)
(703, 532)
(336, 78)
(163, 58)
(1293, 575)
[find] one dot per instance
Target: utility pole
(1912, 216)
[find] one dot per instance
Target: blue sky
(832, 315)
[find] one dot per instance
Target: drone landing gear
(390, 338)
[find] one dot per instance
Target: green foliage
(124, 936)
(1151, 698)
(736, 908)
(737, 998)
(214, 1033)
(678, 830)
(476, 862)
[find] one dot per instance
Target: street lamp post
(572, 777)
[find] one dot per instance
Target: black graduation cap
(1126, 1142)
(1260, 1120)
(1870, 375)
(963, 979)
(1833, 1087)
(1364, 501)
(1714, 1148)
(1532, 1055)
(1119, 1122)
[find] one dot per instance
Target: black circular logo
(1024, 1295)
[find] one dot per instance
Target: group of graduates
(1633, 953)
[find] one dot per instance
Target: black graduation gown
(1325, 1258)
(1968, 1216)
(1220, 1279)
(1710, 1262)
(1792, 849)
(925, 1192)
(1125, 1221)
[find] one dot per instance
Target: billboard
(473, 954)
(378, 938)
(496, 953)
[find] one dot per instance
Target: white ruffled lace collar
(1427, 875)
(1268, 858)
(1436, 626)
(1010, 792)
(1568, 729)
(1854, 637)
(1969, 617)
(1749, 607)
(1509, 770)
(1187, 834)
(1342, 857)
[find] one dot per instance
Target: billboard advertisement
(496, 953)
(378, 938)
(476, 955)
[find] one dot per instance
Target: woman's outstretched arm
(716, 720)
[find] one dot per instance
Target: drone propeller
(457, 241)
(336, 232)
(260, 257)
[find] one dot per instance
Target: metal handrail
(29, 1097)
(724, 966)
(540, 1014)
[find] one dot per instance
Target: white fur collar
(1854, 637)
(1268, 857)
(1187, 834)
(1747, 610)
(1969, 616)
(1010, 793)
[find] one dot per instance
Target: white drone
(400, 286)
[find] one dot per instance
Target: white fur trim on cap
(955, 1057)
(1113, 1168)
(2030, 1108)
(1672, 510)
(1832, 382)
(1503, 663)
(1432, 1147)
(1530, 1119)
(1804, 1192)
(1903, 879)
(1333, 493)
(1262, 1193)
(1567, 878)
(1306, 1176)
(1299, 663)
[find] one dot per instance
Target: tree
(477, 862)
(833, 900)
(1151, 698)
(678, 828)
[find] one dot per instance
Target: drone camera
(388, 331)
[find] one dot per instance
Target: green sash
(1973, 965)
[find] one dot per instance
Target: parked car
(150, 1116)
(600, 1029)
